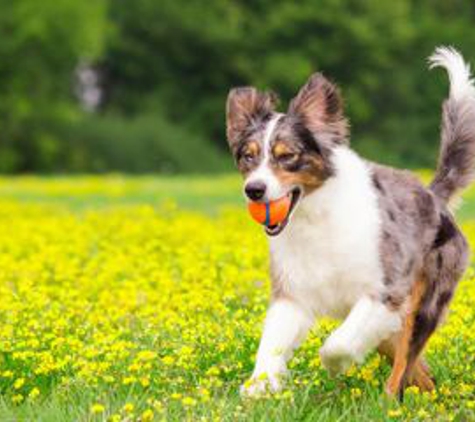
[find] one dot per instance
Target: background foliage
(165, 68)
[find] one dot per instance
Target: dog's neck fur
(350, 186)
(331, 245)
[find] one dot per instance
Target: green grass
(198, 193)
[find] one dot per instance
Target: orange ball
(270, 213)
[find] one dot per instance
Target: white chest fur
(328, 256)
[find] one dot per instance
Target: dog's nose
(255, 191)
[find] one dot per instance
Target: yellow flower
(97, 408)
(422, 413)
(413, 390)
(168, 360)
(19, 383)
(129, 380)
(395, 413)
(188, 401)
(146, 355)
(34, 393)
(128, 408)
(147, 415)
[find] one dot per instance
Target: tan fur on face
(253, 148)
(311, 173)
(309, 180)
(281, 149)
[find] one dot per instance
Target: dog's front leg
(286, 325)
(368, 324)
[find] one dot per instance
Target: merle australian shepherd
(363, 243)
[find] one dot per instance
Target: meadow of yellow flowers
(120, 302)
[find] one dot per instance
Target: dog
(362, 242)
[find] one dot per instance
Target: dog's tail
(456, 166)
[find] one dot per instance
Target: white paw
(261, 384)
(336, 356)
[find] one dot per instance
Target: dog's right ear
(245, 108)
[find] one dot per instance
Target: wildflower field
(128, 299)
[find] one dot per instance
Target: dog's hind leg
(443, 267)
(431, 294)
(403, 341)
(420, 376)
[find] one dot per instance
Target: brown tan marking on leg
(420, 375)
(395, 380)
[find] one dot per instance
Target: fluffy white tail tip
(461, 82)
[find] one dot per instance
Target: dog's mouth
(276, 229)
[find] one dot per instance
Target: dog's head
(285, 154)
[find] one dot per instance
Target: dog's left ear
(320, 108)
(245, 107)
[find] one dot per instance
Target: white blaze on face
(263, 173)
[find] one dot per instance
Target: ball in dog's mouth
(276, 229)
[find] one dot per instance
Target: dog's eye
(287, 158)
(248, 157)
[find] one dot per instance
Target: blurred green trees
(41, 43)
(166, 66)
